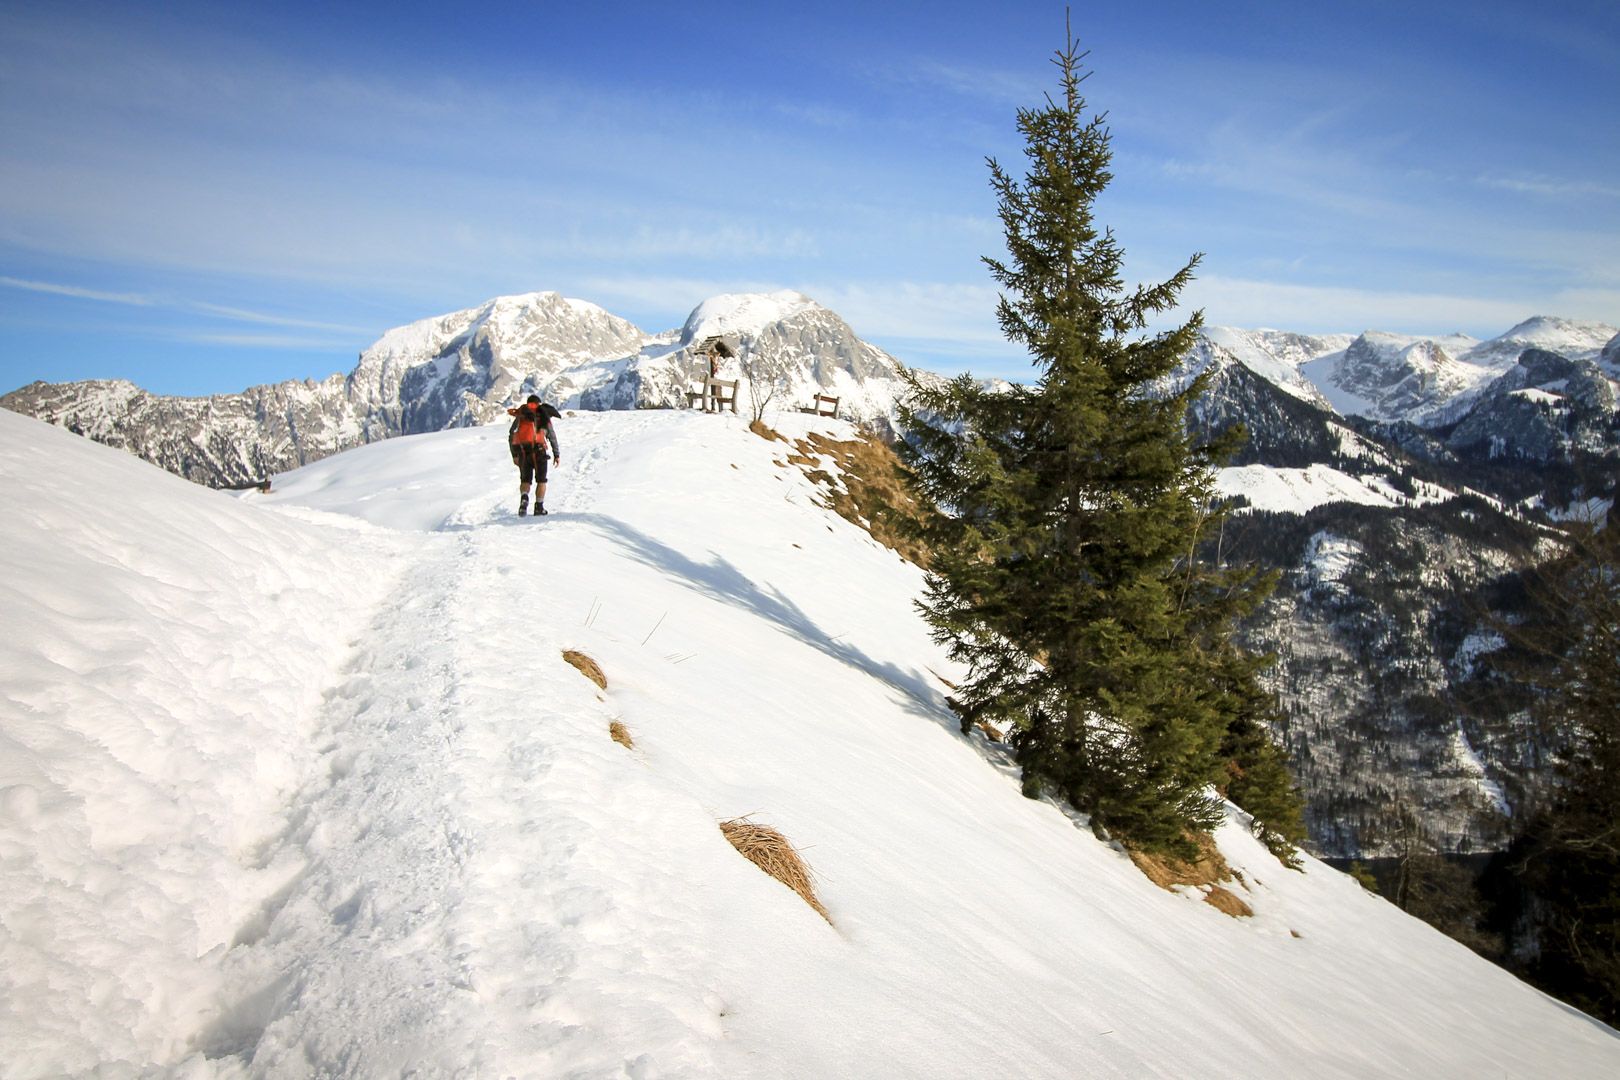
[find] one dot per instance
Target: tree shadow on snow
(720, 580)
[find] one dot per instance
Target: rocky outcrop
(1545, 408)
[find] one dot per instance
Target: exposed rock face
(1610, 357)
(227, 439)
(1398, 377)
(1388, 585)
(1545, 408)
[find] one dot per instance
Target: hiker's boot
(540, 508)
(523, 505)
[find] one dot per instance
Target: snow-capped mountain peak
(1391, 376)
(737, 314)
(1572, 338)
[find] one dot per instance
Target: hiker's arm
(551, 440)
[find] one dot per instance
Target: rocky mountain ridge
(467, 367)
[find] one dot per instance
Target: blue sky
(204, 197)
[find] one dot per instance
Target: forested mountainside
(1395, 481)
(1398, 545)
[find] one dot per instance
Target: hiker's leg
(525, 469)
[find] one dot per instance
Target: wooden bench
(716, 395)
(822, 405)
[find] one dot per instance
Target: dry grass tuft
(760, 428)
(1228, 903)
(771, 852)
(621, 735)
(586, 667)
(1205, 872)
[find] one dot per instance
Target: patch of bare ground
(1207, 872)
(771, 852)
(873, 492)
(621, 735)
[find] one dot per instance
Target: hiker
(529, 436)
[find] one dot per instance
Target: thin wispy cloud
(986, 84)
(260, 341)
(1551, 187)
(132, 299)
(1337, 309)
(232, 314)
(917, 311)
(243, 315)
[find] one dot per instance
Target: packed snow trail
(456, 738)
(476, 812)
(300, 785)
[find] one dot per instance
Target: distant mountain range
(467, 368)
(1392, 478)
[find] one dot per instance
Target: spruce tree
(1066, 574)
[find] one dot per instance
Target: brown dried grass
(873, 494)
(766, 432)
(771, 852)
(621, 735)
(1206, 872)
(586, 667)
(1227, 903)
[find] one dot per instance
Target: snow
(1328, 559)
(1298, 491)
(1540, 397)
(1473, 766)
(737, 314)
(298, 784)
(1320, 371)
(1593, 511)
(1475, 645)
(1251, 348)
(1571, 338)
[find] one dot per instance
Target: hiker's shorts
(531, 461)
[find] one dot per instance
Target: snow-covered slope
(1275, 355)
(300, 784)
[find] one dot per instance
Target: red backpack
(529, 425)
